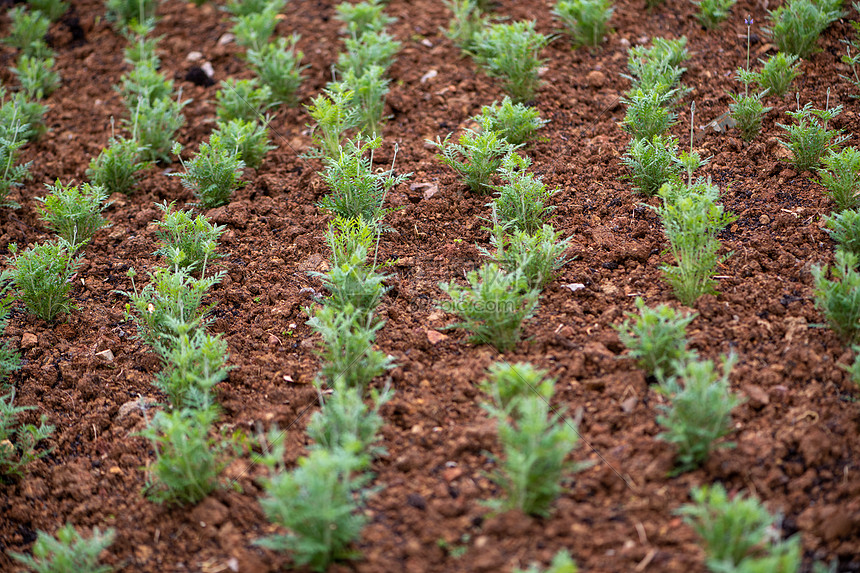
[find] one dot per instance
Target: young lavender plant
(699, 411)
(369, 90)
(512, 52)
(12, 174)
(116, 167)
(653, 162)
(10, 361)
(516, 123)
(692, 218)
(36, 75)
(214, 173)
(586, 20)
(53, 9)
(712, 13)
(188, 460)
(346, 352)
(841, 176)
(371, 49)
(656, 338)
(536, 441)
(506, 383)
(42, 276)
(481, 154)
(738, 533)
(777, 73)
(68, 551)
(521, 201)
(18, 443)
(839, 299)
(493, 307)
(357, 189)
(797, 24)
(249, 138)
(346, 422)
(318, 503)
(363, 17)
(155, 124)
(123, 12)
(658, 68)
(27, 31)
(844, 229)
(810, 139)
(648, 114)
(334, 115)
(254, 29)
(196, 237)
(74, 212)
(242, 99)
(536, 255)
(747, 110)
(467, 19)
(244, 7)
(278, 65)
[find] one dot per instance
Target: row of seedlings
(320, 501)
(535, 436)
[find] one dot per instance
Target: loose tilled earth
(798, 434)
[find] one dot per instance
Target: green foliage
(187, 459)
(692, 218)
(347, 353)
(656, 338)
(810, 139)
(155, 124)
(172, 295)
(318, 503)
(242, 99)
(124, 12)
(36, 76)
(536, 441)
(194, 362)
(30, 113)
(278, 65)
(368, 97)
(363, 17)
(481, 154)
(74, 212)
(853, 60)
(249, 138)
(42, 276)
(12, 138)
(658, 68)
(797, 24)
(144, 82)
(334, 116)
(516, 123)
(844, 228)
(536, 255)
(117, 165)
(647, 113)
(467, 20)
(777, 73)
(195, 237)
(512, 52)
(68, 552)
(748, 111)
(244, 7)
(521, 201)
(839, 299)
(214, 172)
(841, 177)
(9, 359)
(18, 442)
(375, 48)
(27, 31)
(699, 412)
(652, 162)
(53, 9)
(506, 384)
(348, 237)
(738, 533)
(493, 307)
(586, 20)
(254, 29)
(357, 189)
(712, 13)
(562, 562)
(345, 422)
(352, 283)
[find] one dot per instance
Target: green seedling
(42, 276)
(278, 66)
(19, 443)
(537, 256)
(511, 52)
(841, 176)
(214, 172)
(475, 156)
(838, 298)
(74, 212)
(68, 552)
(196, 237)
(585, 20)
(522, 197)
(516, 123)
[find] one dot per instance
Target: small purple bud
(748, 21)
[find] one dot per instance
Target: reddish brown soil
(798, 435)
